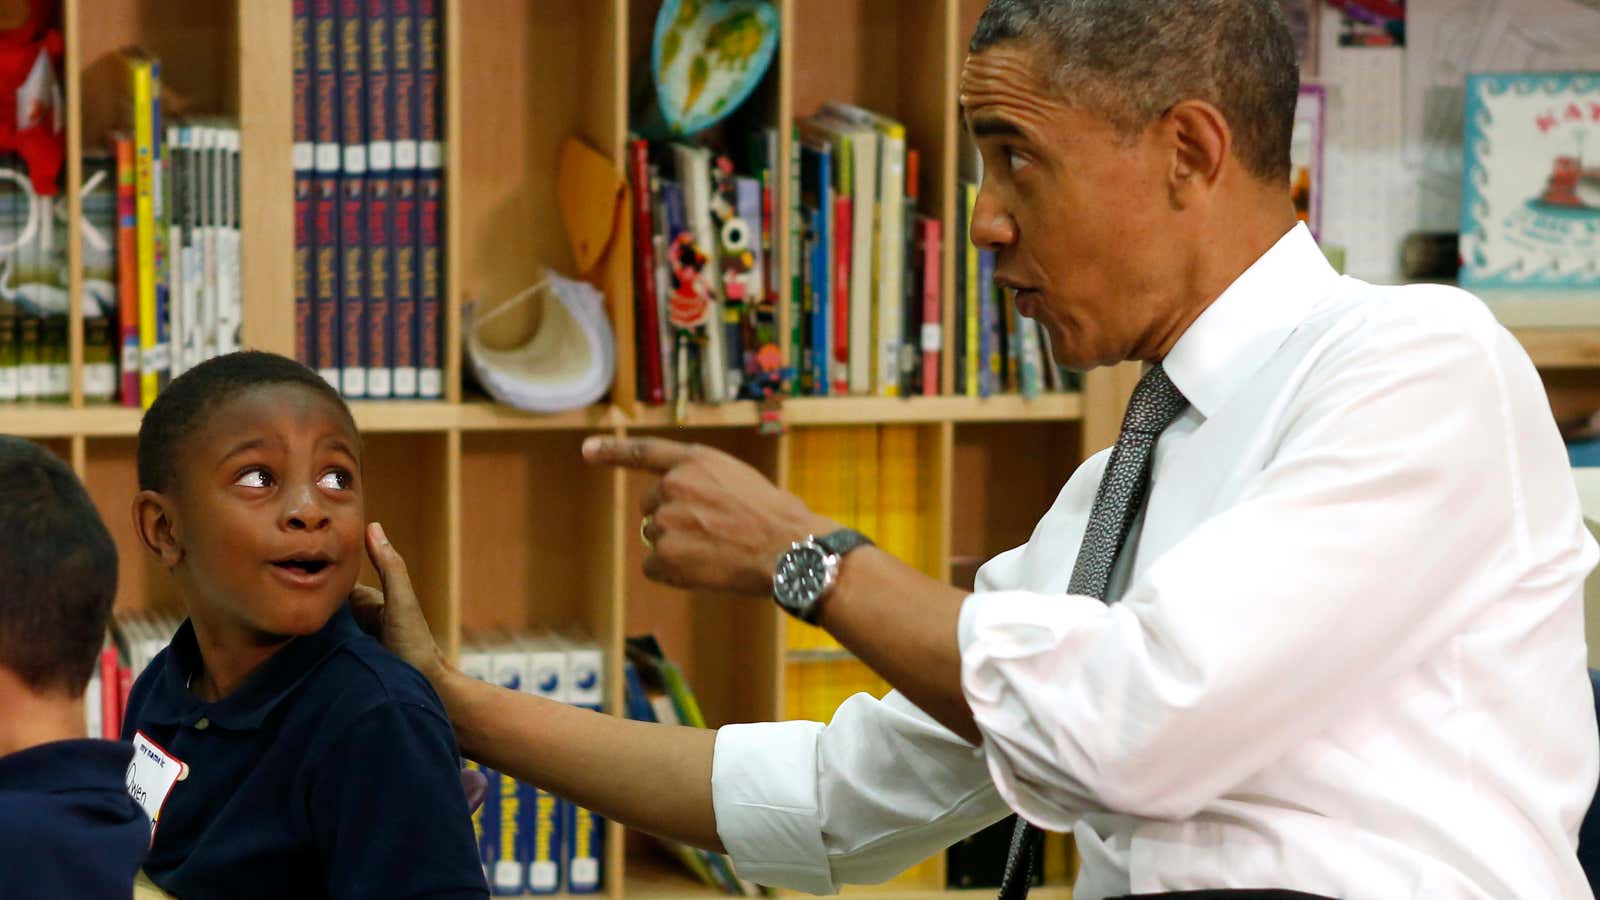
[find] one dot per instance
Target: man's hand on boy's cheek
(393, 615)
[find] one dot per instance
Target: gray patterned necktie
(1155, 404)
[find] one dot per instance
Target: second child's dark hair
(58, 571)
(182, 405)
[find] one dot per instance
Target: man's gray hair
(1132, 60)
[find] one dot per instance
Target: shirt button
(202, 724)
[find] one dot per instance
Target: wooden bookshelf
(502, 524)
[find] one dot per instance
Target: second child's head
(250, 494)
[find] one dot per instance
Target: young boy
(311, 762)
(67, 825)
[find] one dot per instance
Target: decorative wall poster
(1530, 212)
(1305, 157)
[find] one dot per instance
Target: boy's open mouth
(305, 565)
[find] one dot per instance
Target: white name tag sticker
(152, 775)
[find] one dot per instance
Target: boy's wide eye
(336, 480)
(254, 478)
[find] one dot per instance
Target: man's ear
(1200, 142)
(157, 526)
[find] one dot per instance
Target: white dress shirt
(1348, 656)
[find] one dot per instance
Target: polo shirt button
(202, 724)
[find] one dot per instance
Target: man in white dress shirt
(1341, 649)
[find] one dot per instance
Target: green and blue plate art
(707, 57)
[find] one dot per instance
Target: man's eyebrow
(991, 126)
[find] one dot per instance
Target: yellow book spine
(970, 199)
(139, 70)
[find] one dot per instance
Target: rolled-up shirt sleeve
(811, 807)
(1388, 517)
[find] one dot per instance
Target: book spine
(403, 252)
(158, 218)
(971, 290)
(325, 190)
(127, 271)
(509, 868)
(430, 188)
(797, 360)
(304, 156)
(403, 199)
(305, 335)
(583, 832)
(231, 305)
(894, 224)
(175, 157)
(98, 234)
(110, 708)
(30, 349)
(543, 813)
(352, 199)
(842, 313)
(10, 390)
(908, 361)
(1031, 356)
(150, 362)
(485, 819)
(646, 303)
(191, 256)
(207, 140)
(932, 309)
(989, 338)
(379, 29)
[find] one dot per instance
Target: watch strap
(843, 541)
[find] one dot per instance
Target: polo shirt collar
(1236, 335)
(247, 707)
(71, 765)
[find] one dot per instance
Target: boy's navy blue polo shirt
(331, 771)
(67, 825)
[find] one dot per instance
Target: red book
(839, 371)
(124, 683)
(127, 270)
(646, 321)
(931, 244)
(110, 695)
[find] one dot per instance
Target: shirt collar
(71, 765)
(1249, 321)
(171, 701)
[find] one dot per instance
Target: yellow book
(898, 495)
(868, 493)
(144, 87)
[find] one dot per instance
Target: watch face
(801, 576)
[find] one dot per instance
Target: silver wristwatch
(807, 571)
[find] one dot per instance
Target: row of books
(368, 191)
(161, 247)
(655, 690)
(33, 291)
(705, 273)
(529, 840)
(997, 350)
(134, 639)
(866, 304)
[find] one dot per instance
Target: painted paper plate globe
(708, 55)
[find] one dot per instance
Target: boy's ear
(153, 519)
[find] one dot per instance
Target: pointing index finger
(646, 454)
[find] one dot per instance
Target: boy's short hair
(59, 571)
(182, 405)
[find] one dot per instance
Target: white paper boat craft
(548, 349)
